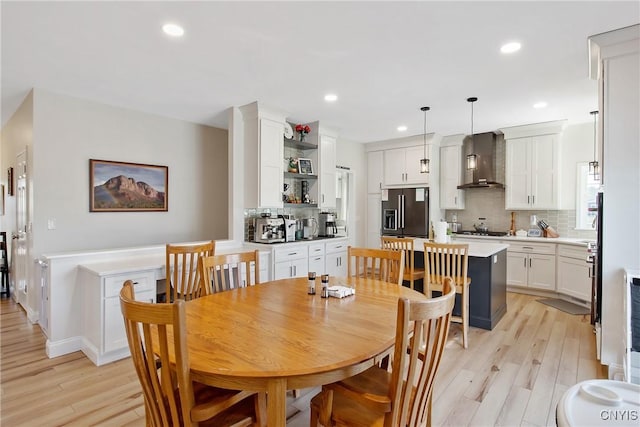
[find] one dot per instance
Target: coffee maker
(269, 230)
(327, 225)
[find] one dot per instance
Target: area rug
(566, 306)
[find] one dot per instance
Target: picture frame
(305, 166)
(10, 190)
(127, 187)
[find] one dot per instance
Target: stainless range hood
(483, 145)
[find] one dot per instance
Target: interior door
(20, 235)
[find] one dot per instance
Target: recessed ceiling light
(173, 30)
(402, 128)
(330, 97)
(540, 104)
(510, 47)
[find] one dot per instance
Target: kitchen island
(488, 289)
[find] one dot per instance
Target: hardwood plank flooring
(513, 375)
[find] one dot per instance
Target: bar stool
(4, 266)
(449, 260)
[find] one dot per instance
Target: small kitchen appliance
(269, 230)
(327, 225)
(310, 228)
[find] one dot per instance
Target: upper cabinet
(327, 194)
(402, 166)
(451, 173)
(532, 178)
(263, 155)
(375, 171)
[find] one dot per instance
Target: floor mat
(566, 306)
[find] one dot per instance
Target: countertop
(265, 246)
(476, 249)
(563, 240)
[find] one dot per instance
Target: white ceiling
(383, 59)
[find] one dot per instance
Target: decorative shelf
(300, 145)
(299, 175)
(300, 205)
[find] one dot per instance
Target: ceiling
(384, 60)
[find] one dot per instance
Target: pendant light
(594, 167)
(472, 159)
(424, 162)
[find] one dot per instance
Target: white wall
(70, 131)
(351, 154)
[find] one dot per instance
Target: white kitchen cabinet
(263, 156)
(327, 173)
(290, 261)
(336, 258)
(532, 265)
(375, 171)
(532, 175)
(574, 273)
(402, 166)
(374, 218)
(450, 177)
(103, 327)
(317, 258)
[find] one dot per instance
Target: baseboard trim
(62, 347)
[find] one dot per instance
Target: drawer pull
(527, 247)
(293, 253)
(135, 283)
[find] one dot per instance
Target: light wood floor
(513, 375)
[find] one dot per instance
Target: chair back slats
(229, 271)
(420, 360)
(380, 264)
(183, 274)
(445, 259)
(400, 244)
(159, 387)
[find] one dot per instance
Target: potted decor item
(302, 130)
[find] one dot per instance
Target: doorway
(20, 235)
(345, 203)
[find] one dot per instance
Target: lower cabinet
(290, 261)
(105, 339)
(317, 258)
(336, 258)
(532, 265)
(574, 274)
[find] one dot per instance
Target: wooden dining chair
(182, 266)
(402, 397)
(449, 260)
(230, 271)
(404, 244)
(171, 397)
(379, 264)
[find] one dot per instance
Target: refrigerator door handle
(402, 216)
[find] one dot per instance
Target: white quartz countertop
(147, 262)
(476, 249)
(507, 239)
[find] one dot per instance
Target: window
(586, 190)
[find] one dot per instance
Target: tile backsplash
(489, 203)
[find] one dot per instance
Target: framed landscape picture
(127, 187)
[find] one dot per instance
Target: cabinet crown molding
(433, 139)
(535, 129)
(626, 39)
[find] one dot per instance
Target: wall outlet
(51, 224)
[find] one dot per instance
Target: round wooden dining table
(275, 337)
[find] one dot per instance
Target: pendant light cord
(425, 135)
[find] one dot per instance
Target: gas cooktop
(488, 233)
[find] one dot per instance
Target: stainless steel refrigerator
(405, 212)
